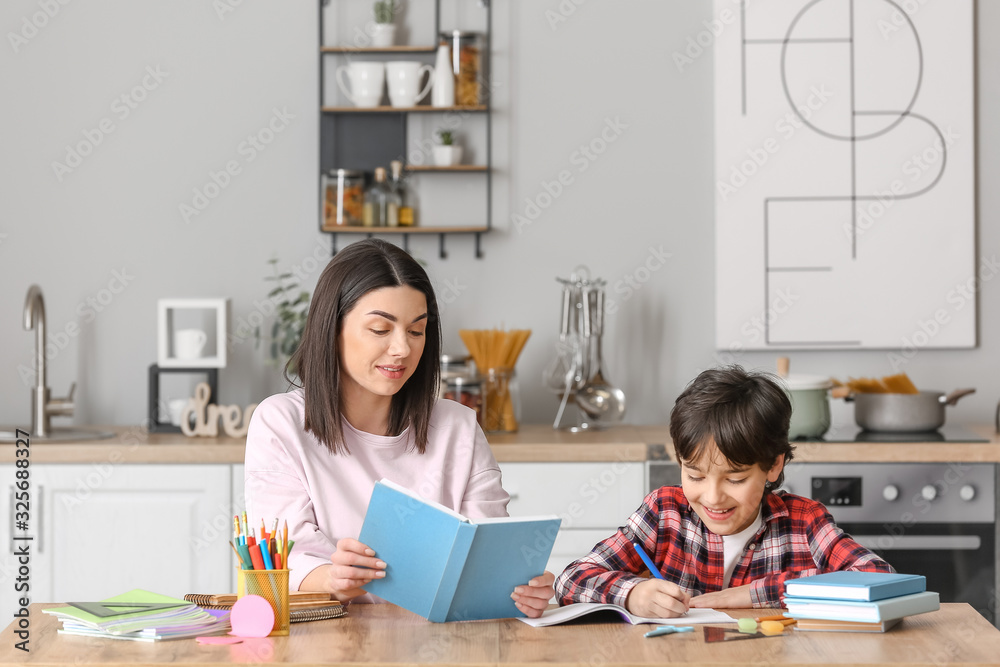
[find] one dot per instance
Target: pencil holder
(272, 585)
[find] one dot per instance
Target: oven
(934, 519)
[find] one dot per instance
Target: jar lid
(454, 359)
(793, 382)
(460, 34)
(345, 173)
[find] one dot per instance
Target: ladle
(599, 399)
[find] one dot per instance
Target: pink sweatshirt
(290, 475)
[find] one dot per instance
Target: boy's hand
(354, 565)
(534, 597)
(658, 599)
(738, 597)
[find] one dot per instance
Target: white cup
(367, 82)
(403, 79)
(189, 343)
(176, 407)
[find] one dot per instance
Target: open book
(445, 567)
(578, 609)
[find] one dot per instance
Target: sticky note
(747, 625)
(772, 627)
(252, 616)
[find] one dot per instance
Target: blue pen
(647, 560)
(668, 630)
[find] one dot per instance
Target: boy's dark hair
(353, 272)
(746, 413)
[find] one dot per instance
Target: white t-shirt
(290, 475)
(733, 547)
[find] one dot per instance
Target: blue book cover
(850, 585)
(865, 612)
(446, 567)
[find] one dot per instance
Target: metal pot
(904, 413)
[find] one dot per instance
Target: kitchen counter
(533, 443)
(384, 634)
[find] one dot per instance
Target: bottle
(376, 209)
(398, 186)
(443, 92)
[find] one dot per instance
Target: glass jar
(467, 52)
(343, 197)
(460, 382)
(501, 405)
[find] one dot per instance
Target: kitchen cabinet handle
(41, 519)
(12, 519)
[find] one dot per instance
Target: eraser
(772, 627)
(747, 625)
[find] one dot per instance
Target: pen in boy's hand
(653, 570)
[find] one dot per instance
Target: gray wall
(559, 84)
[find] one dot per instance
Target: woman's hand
(657, 598)
(354, 565)
(534, 597)
(730, 598)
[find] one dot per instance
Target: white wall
(560, 84)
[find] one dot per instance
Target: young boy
(724, 538)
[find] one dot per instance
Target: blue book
(849, 585)
(445, 567)
(863, 612)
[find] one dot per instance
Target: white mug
(367, 82)
(189, 343)
(403, 79)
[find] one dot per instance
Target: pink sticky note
(252, 616)
(219, 640)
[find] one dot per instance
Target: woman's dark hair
(352, 273)
(746, 414)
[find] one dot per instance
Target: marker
(653, 570)
(669, 630)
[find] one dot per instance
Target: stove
(854, 433)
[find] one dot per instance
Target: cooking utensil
(601, 400)
(810, 404)
(904, 413)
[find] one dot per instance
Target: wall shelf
(366, 138)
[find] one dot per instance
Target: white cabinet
(104, 528)
(10, 567)
(592, 499)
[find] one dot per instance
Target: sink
(57, 434)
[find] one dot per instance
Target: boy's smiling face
(725, 495)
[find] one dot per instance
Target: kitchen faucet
(41, 407)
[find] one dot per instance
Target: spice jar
(467, 51)
(501, 405)
(343, 197)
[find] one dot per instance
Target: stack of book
(140, 616)
(857, 601)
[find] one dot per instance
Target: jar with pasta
(467, 53)
(343, 197)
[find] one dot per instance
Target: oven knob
(929, 492)
(967, 492)
(890, 492)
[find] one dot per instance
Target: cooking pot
(810, 405)
(904, 413)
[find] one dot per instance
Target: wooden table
(387, 635)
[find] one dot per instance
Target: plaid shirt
(797, 538)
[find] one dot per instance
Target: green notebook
(138, 609)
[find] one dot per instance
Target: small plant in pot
(384, 30)
(447, 154)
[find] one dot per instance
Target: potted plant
(447, 154)
(291, 307)
(384, 31)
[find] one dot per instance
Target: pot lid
(793, 382)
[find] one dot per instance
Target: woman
(366, 409)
